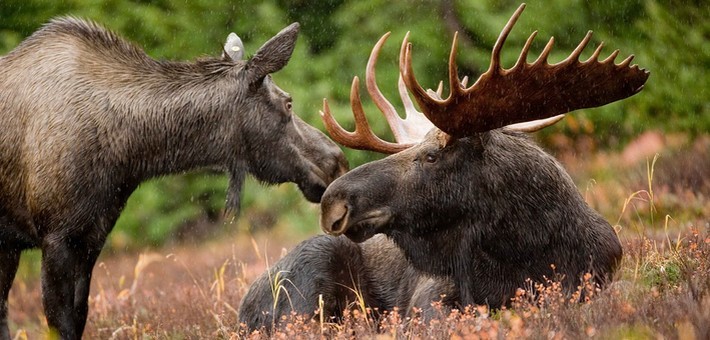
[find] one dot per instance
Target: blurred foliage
(670, 38)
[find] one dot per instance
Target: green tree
(670, 38)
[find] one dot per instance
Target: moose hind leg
(323, 266)
(9, 260)
(434, 289)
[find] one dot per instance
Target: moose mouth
(340, 221)
(312, 192)
(319, 177)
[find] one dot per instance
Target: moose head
(466, 194)
(274, 144)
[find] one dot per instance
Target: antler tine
(362, 138)
(535, 125)
(595, 55)
(434, 94)
(409, 108)
(417, 124)
(574, 56)
(611, 57)
(522, 59)
(414, 126)
(454, 82)
(334, 129)
(393, 119)
(495, 56)
(626, 61)
(542, 58)
(405, 68)
(422, 97)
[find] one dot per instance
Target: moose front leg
(9, 260)
(66, 278)
(58, 271)
(82, 284)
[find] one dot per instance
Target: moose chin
(86, 117)
(467, 206)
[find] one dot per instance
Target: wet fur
(338, 270)
(87, 117)
(490, 212)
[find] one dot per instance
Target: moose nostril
(335, 220)
(337, 225)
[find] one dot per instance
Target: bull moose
(467, 206)
(87, 116)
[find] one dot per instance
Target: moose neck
(171, 121)
(519, 220)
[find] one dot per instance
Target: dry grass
(662, 289)
(668, 296)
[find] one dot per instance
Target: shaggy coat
(471, 221)
(86, 117)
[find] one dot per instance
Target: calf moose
(87, 116)
(475, 208)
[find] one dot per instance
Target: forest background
(670, 38)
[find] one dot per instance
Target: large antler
(526, 91)
(407, 131)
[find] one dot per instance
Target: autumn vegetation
(176, 267)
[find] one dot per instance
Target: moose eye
(289, 105)
(430, 158)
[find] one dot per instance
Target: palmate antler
(407, 131)
(526, 91)
(526, 97)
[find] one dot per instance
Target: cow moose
(87, 116)
(467, 207)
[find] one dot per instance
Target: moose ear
(233, 48)
(274, 54)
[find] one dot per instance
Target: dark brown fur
(488, 211)
(86, 117)
(471, 220)
(337, 270)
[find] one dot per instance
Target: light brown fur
(87, 116)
